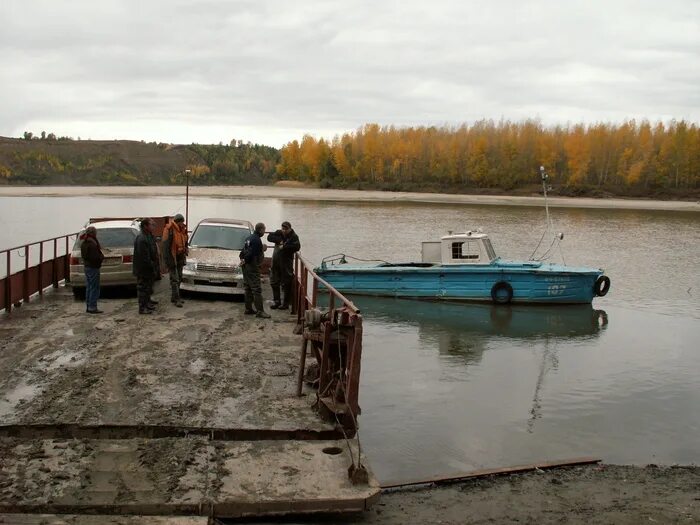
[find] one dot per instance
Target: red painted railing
(334, 330)
(28, 279)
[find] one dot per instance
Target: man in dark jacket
(92, 256)
(286, 243)
(251, 258)
(145, 266)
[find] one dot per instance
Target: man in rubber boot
(175, 254)
(92, 255)
(282, 274)
(145, 266)
(251, 258)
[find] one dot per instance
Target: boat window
(465, 250)
(489, 249)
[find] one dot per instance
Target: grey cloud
(324, 66)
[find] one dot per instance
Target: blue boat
(465, 267)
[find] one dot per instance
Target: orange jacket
(175, 237)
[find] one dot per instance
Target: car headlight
(191, 265)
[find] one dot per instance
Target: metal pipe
(41, 268)
(519, 469)
(8, 286)
(187, 197)
(25, 277)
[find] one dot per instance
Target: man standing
(175, 254)
(92, 255)
(251, 258)
(286, 245)
(145, 266)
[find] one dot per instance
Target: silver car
(117, 241)
(213, 263)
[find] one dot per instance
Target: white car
(213, 263)
(117, 242)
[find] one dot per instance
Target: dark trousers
(252, 286)
(92, 287)
(281, 276)
(175, 273)
(144, 290)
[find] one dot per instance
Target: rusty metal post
(314, 293)
(295, 288)
(8, 285)
(41, 268)
(302, 365)
(323, 379)
(25, 277)
(54, 261)
(353, 368)
(304, 297)
(66, 267)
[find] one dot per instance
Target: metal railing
(332, 324)
(51, 269)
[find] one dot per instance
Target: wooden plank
(518, 469)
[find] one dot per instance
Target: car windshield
(219, 236)
(113, 238)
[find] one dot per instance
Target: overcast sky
(270, 71)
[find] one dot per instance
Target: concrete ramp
(178, 476)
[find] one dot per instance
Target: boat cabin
(459, 248)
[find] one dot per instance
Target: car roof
(101, 225)
(232, 222)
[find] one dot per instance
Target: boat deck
(191, 411)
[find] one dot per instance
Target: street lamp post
(187, 197)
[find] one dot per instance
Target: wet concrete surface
(204, 365)
(90, 407)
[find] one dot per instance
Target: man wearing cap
(286, 243)
(92, 256)
(251, 257)
(175, 254)
(145, 266)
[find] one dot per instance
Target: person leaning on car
(145, 266)
(175, 254)
(92, 255)
(251, 257)
(286, 243)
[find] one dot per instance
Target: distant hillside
(63, 161)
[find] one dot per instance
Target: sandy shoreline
(316, 194)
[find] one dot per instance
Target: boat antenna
(549, 226)
(545, 177)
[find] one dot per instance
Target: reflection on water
(452, 387)
(470, 320)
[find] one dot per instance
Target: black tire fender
(602, 286)
(502, 285)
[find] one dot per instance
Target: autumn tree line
(46, 159)
(631, 158)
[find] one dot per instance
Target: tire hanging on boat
(601, 286)
(497, 293)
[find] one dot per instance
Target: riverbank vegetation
(635, 159)
(47, 160)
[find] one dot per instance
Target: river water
(447, 388)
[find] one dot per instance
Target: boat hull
(530, 284)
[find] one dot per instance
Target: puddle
(21, 392)
(197, 366)
(61, 358)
